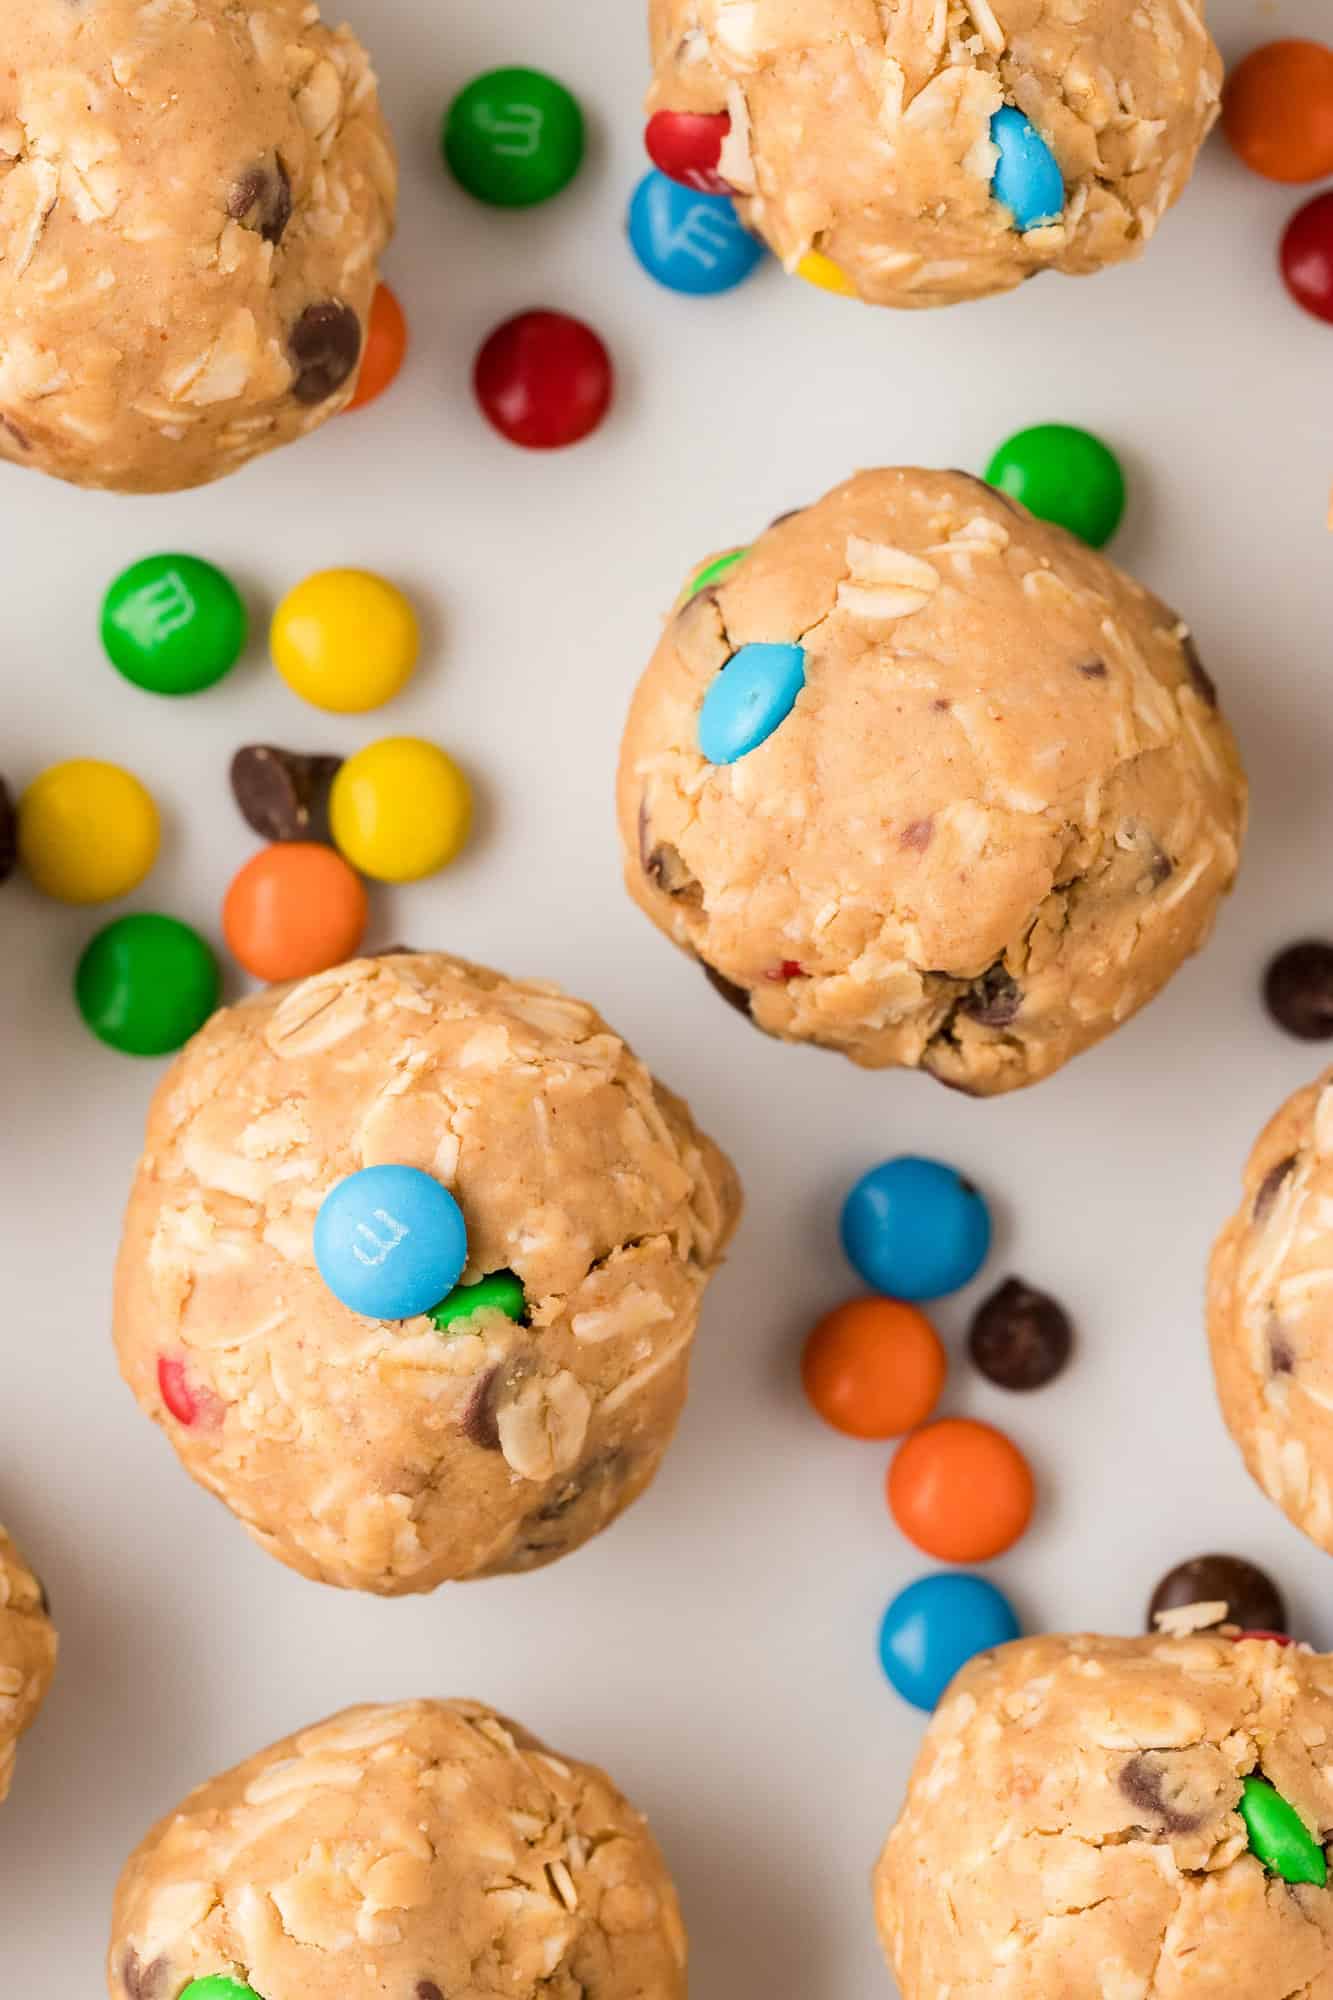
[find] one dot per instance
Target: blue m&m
(936, 1626)
(1027, 178)
(915, 1229)
(751, 697)
(689, 242)
(390, 1242)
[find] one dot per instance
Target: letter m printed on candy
(384, 1246)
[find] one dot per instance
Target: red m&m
(686, 146)
(1306, 256)
(544, 380)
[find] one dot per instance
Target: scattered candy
(961, 1490)
(173, 624)
(1251, 1599)
(934, 1627)
(345, 640)
(687, 147)
(1279, 1836)
(87, 832)
(873, 1368)
(390, 1242)
(1306, 256)
(514, 137)
(1064, 475)
(1298, 990)
(713, 572)
(1020, 1338)
(9, 833)
(400, 809)
(689, 242)
(218, 1987)
(749, 698)
(1266, 1638)
(501, 1292)
(1277, 110)
(543, 380)
(385, 350)
(283, 794)
(1027, 179)
(145, 984)
(915, 1229)
(185, 1400)
(822, 272)
(294, 909)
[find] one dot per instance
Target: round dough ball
(1071, 1829)
(999, 816)
(1270, 1313)
(27, 1653)
(193, 199)
(412, 1852)
(387, 1456)
(861, 129)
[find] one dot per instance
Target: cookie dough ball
(27, 1653)
(860, 137)
(1270, 1312)
(999, 815)
(390, 1456)
(193, 197)
(1072, 1830)
(415, 1851)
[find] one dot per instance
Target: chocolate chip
(1281, 1355)
(9, 833)
(994, 1000)
(1144, 1780)
(428, 1990)
(1200, 679)
(1252, 1599)
(790, 515)
(262, 200)
(1160, 866)
(1093, 670)
(1298, 990)
(43, 1596)
(734, 995)
(1271, 1184)
(283, 794)
(142, 1982)
(19, 435)
(1020, 1338)
(478, 1421)
(917, 835)
(325, 346)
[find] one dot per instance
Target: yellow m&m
(88, 831)
(400, 809)
(817, 269)
(345, 640)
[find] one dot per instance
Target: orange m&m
(1277, 110)
(385, 348)
(873, 1368)
(294, 909)
(960, 1490)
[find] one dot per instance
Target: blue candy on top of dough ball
(751, 697)
(934, 1627)
(689, 242)
(390, 1242)
(1027, 179)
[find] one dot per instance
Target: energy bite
(508, 1428)
(1270, 1314)
(27, 1653)
(970, 804)
(193, 200)
(416, 1851)
(888, 148)
(1118, 1819)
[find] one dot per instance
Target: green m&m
(1279, 1836)
(145, 984)
(500, 1292)
(219, 1986)
(1064, 475)
(514, 137)
(714, 571)
(173, 624)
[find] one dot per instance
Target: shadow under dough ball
(27, 1653)
(497, 1430)
(1270, 1312)
(1090, 1816)
(419, 1850)
(861, 141)
(190, 233)
(924, 780)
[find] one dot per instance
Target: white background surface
(717, 1649)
